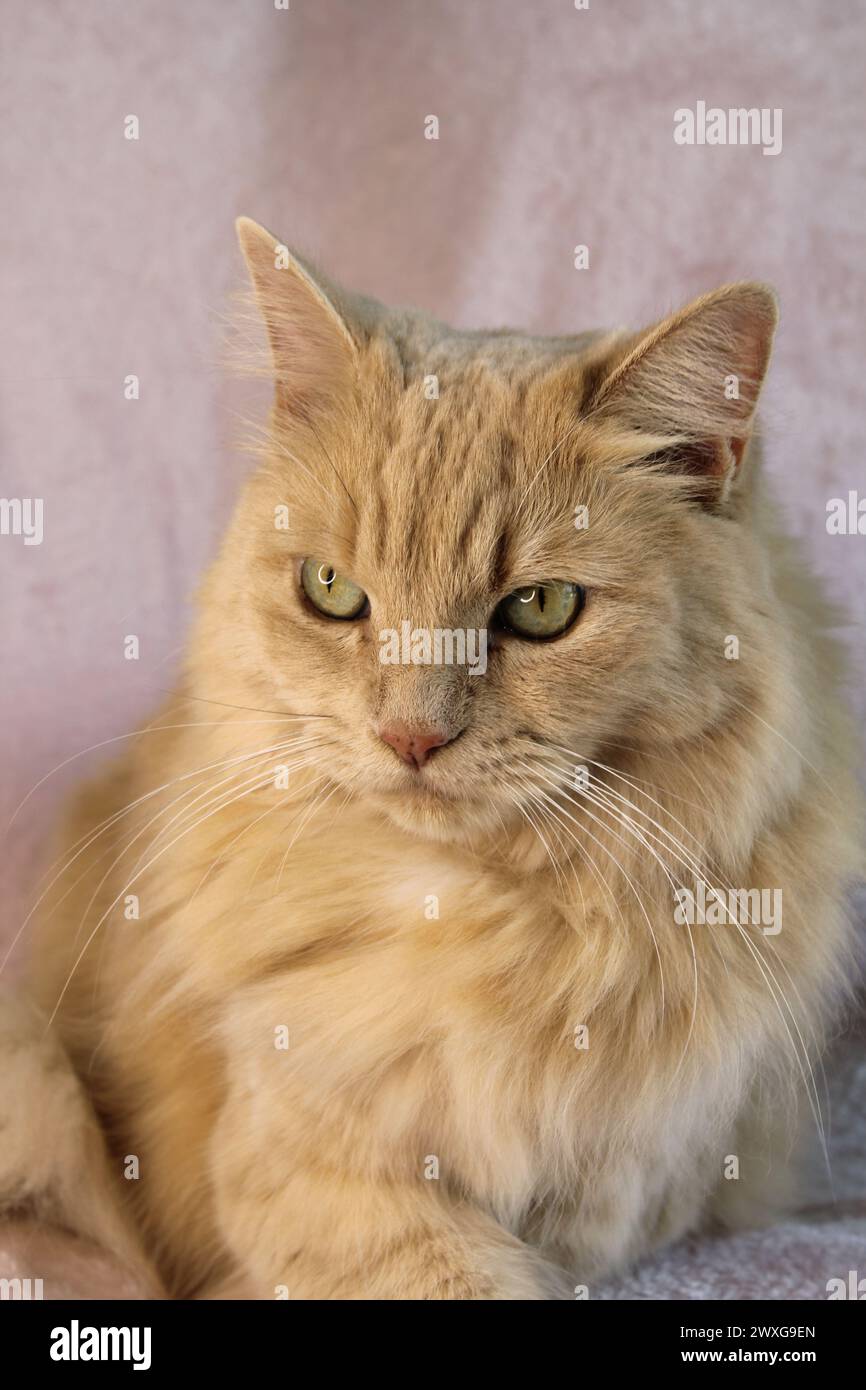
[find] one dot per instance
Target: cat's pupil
(327, 576)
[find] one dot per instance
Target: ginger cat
(381, 964)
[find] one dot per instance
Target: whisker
(186, 830)
(208, 792)
(118, 738)
(218, 858)
(689, 862)
(252, 709)
(86, 840)
(530, 822)
(333, 466)
(794, 749)
(312, 810)
(616, 862)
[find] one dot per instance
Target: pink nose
(414, 746)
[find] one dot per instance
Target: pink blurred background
(556, 128)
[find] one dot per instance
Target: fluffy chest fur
(377, 963)
(541, 1040)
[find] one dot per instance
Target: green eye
(330, 592)
(541, 610)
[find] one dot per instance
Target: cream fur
(414, 1036)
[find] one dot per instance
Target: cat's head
(485, 557)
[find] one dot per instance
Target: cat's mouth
(422, 805)
(419, 791)
(433, 813)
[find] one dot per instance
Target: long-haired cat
(469, 922)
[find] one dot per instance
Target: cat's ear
(692, 383)
(313, 351)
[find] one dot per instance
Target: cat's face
(455, 560)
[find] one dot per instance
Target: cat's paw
(517, 1273)
(54, 1166)
(42, 1262)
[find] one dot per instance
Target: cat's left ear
(691, 384)
(313, 350)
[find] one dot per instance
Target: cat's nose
(413, 745)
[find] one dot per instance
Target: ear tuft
(694, 380)
(314, 354)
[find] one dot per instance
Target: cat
(371, 966)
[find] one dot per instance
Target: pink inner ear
(312, 362)
(720, 458)
(671, 382)
(738, 448)
(712, 458)
(312, 349)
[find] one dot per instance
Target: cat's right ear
(313, 352)
(685, 393)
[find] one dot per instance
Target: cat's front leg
(60, 1193)
(308, 1230)
(330, 1236)
(319, 1158)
